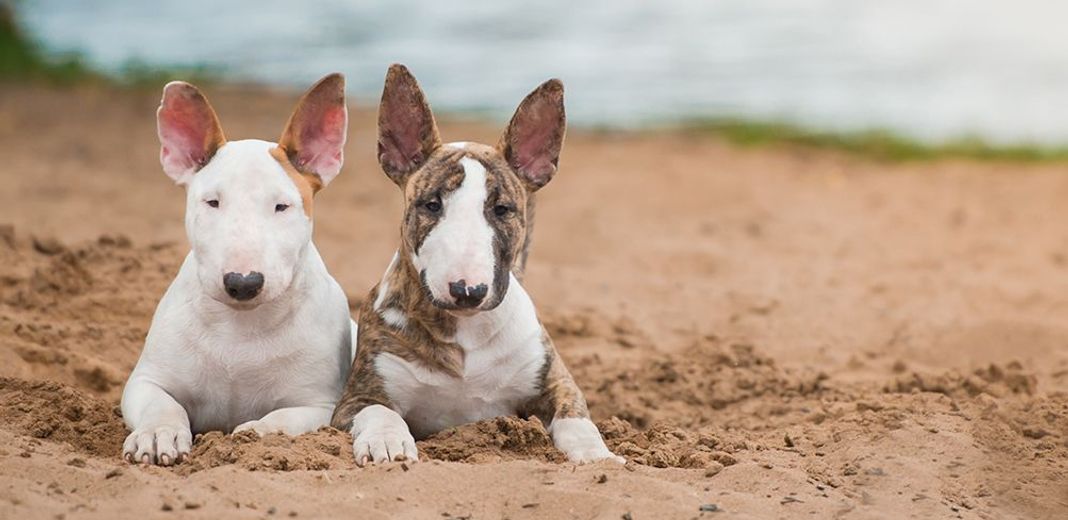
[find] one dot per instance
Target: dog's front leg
(570, 426)
(379, 433)
(160, 425)
(294, 420)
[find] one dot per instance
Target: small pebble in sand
(48, 245)
(713, 469)
(602, 479)
(709, 508)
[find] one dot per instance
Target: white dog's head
(249, 203)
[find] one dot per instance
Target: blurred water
(933, 69)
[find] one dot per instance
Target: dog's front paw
(158, 444)
(260, 427)
(579, 439)
(381, 435)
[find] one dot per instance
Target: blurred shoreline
(24, 60)
(932, 72)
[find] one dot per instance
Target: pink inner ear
(407, 133)
(536, 133)
(533, 150)
(322, 139)
(403, 148)
(188, 130)
(183, 134)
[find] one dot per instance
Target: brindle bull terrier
(449, 336)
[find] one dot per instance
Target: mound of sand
(59, 413)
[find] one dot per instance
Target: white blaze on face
(460, 247)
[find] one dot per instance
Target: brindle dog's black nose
(466, 296)
(243, 287)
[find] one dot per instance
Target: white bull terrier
(254, 333)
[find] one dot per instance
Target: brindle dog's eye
(213, 203)
(278, 208)
(433, 206)
(502, 210)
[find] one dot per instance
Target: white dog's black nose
(242, 287)
(467, 296)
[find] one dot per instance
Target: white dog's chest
(235, 368)
(492, 385)
(228, 392)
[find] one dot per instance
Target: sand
(762, 333)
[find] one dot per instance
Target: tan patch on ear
(308, 184)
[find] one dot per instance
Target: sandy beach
(762, 332)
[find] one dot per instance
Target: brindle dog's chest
(496, 380)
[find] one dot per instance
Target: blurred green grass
(23, 60)
(880, 145)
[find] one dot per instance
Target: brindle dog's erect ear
(189, 131)
(314, 136)
(407, 133)
(534, 137)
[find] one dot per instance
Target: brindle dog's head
(465, 204)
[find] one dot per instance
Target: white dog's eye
(278, 208)
(213, 203)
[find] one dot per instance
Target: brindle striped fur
(412, 156)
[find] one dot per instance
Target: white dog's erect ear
(314, 136)
(534, 137)
(407, 133)
(189, 131)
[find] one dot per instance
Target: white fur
(503, 359)
(393, 317)
(579, 439)
(460, 247)
(380, 435)
(275, 363)
(245, 234)
(383, 286)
